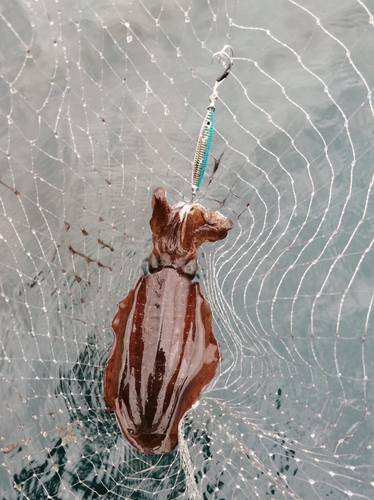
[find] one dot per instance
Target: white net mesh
(101, 102)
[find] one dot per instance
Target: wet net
(100, 103)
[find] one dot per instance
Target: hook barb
(222, 54)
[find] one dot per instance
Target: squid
(164, 353)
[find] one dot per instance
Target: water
(85, 139)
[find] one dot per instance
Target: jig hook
(222, 54)
(206, 132)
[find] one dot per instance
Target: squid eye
(153, 263)
(190, 269)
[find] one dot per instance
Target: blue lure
(206, 132)
(202, 150)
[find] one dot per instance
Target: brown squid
(164, 352)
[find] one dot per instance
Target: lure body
(202, 150)
(164, 352)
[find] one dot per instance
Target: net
(100, 103)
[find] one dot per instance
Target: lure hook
(222, 54)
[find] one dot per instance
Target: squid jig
(206, 132)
